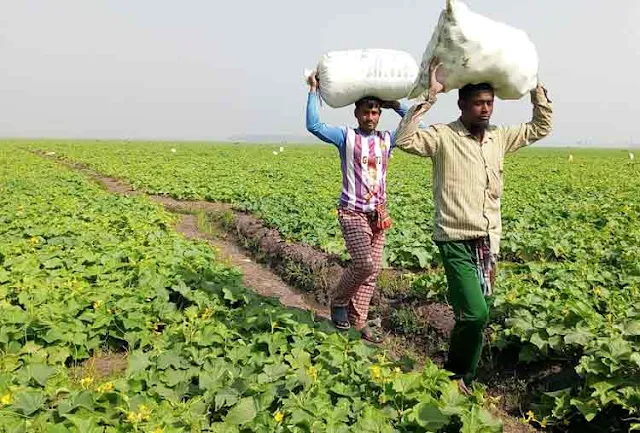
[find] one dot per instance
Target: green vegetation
(85, 273)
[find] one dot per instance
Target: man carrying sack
(364, 154)
(467, 158)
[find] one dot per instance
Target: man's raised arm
(517, 137)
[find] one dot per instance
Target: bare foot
(463, 387)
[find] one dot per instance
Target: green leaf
(588, 408)
(272, 373)
(57, 428)
(429, 416)
(478, 420)
(632, 328)
(170, 359)
(423, 256)
(85, 424)
(242, 413)
(226, 397)
(578, 337)
(538, 341)
(82, 399)
(4, 276)
(341, 388)
(619, 348)
(138, 361)
(41, 373)
(29, 401)
(452, 399)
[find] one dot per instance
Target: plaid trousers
(358, 282)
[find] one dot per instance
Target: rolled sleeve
(539, 127)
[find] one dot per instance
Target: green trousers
(469, 305)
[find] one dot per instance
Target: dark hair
(369, 102)
(469, 90)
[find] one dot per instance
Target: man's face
(477, 110)
(368, 115)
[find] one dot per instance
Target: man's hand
(312, 81)
(394, 105)
(541, 86)
(435, 86)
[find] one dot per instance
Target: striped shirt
(364, 159)
(467, 174)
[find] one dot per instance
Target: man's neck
(363, 132)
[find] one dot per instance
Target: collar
(371, 134)
(462, 130)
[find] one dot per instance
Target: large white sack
(475, 49)
(346, 76)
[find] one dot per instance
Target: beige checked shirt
(467, 174)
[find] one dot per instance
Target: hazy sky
(209, 69)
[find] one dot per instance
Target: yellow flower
(543, 423)
(530, 416)
(86, 381)
(207, 313)
(6, 399)
(312, 372)
(598, 291)
(144, 412)
(34, 240)
(278, 417)
(96, 304)
(106, 387)
(376, 372)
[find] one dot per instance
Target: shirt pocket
(495, 180)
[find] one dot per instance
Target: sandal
(371, 335)
(340, 317)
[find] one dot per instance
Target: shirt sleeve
(412, 137)
(329, 134)
(402, 111)
(517, 137)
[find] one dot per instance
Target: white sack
(474, 49)
(346, 76)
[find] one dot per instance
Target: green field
(568, 288)
(86, 274)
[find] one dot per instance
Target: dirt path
(256, 277)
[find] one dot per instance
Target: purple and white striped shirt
(364, 158)
(364, 161)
